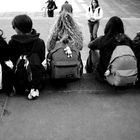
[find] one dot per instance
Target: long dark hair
(113, 27)
(97, 4)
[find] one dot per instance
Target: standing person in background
(51, 7)
(95, 13)
(66, 7)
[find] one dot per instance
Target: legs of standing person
(93, 28)
(90, 25)
(50, 13)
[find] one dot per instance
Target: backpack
(122, 68)
(63, 67)
(23, 74)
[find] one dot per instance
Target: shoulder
(123, 38)
(39, 41)
(12, 41)
(97, 43)
(2, 41)
(99, 9)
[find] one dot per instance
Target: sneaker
(34, 93)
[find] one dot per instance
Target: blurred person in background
(51, 7)
(94, 14)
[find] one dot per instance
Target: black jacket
(26, 44)
(34, 47)
(106, 48)
(4, 53)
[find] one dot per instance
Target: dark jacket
(26, 44)
(7, 73)
(136, 43)
(4, 56)
(51, 5)
(32, 46)
(106, 48)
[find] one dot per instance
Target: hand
(9, 64)
(44, 64)
(92, 19)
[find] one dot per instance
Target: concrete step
(88, 83)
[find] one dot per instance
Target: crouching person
(6, 67)
(27, 54)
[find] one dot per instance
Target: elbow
(89, 45)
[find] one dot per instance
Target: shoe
(34, 93)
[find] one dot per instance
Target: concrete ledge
(88, 83)
(3, 102)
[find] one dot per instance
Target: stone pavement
(81, 110)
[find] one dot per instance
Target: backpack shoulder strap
(58, 46)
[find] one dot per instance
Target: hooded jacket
(106, 48)
(3, 51)
(25, 45)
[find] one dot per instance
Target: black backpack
(23, 74)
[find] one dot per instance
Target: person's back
(65, 27)
(67, 7)
(27, 45)
(6, 67)
(65, 61)
(114, 35)
(108, 47)
(65, 30)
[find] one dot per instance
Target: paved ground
(79, 110)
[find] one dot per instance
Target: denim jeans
(93, 29)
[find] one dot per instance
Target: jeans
(93, 28)
(50, 13)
